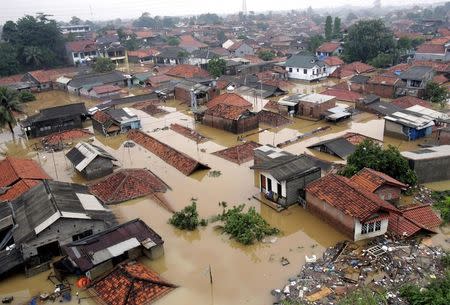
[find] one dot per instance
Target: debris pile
(384, 264)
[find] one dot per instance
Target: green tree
(436, 94)
(217, 66)
(389, 161)
(75, 20)
(262, 26)
(337, 27)
(145, 21)
(8, 60)
(103, 64)
(442, 203)
(187, 219)
(266, 55)
(366, 39)
(34, 56)
(314, 42)
(328, 28)
(9, 32)
(381, 61)
(436, 293)
(25, 96)
(350, 17)
(221, 36)
(132, 43)
(404, 43)
(9, 103)
(173, 41)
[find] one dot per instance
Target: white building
(306, 67)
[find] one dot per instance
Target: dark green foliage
(221, 36)
(363, 296)
(266, 55)
(103, 64)
(337, 27)
(388, 161)
(132, 43)
(381, 60)
(187, 219)
(436, 94)
(75, 20)
(404, 43)
(209, 19)
(26, 97)
(245, 227)
(436, 293)
(9, 102)
(173, 41)
(366, 39)
(183, 54)
(329, 28)
(351, 16)
(217, 66)
(8, 62)
(442, 203)
(145, 21)
(314, 42)
(242, 37)
(262, 26)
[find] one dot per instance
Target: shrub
(187, 219)
(26, 97)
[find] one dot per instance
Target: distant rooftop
(428, 153)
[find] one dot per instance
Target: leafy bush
(187, 219)
(247, 227)
(436, 293)
(26, 97)
(363, 296)
(443, 204)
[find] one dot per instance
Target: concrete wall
(98, 168)
(394, 129)
(100, 270)
(62, 231)
(384, 91)
(431, 170)
(155, 252)
(315, 110)
(311, 74)
(296, 185)
(383, 229)
(274, 184)
(428, 56)
(240, 126)
(44, 128)
(331, 215)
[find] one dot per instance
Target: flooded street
(241, 274)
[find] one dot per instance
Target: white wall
(359, 236)
(298, 73)
(274, 184)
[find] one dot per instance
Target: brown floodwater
(241, 274)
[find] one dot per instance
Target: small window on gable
(305, 71)
(371, 227)
(378, 225)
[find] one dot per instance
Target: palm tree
(33, 55)
(9, 102)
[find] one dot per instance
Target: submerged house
(230, 118)
(54, 119)
(408, 125)
(282, 176)
(430, 164)
(97, 254)
(347, 206)
(313, 105)
(45, 218)
(18, 176)
(91, 161)
(415, 80)
(306, 67)
(114, 121)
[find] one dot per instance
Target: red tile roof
(101, 117)
(423, 216)
(46, 76)
(333, 61)
(231, 99)
(106, 89)
(343, 95)
(156, 80)
(235, 46)
(401, 226)
(8, 80)
(188, 71)
(347, 196)
(127, 184)
(171, 156)
(81, 46)
(329, 47)
(429, 48)
(440, 79)
(409, 101)
(238, 154)
(371, 180)
(130, 284)
(342, 73)
(359, 67)
(67, 135)
(438, 66)
(225, 111)
(357, 138)
(144, 34)
(188, 133)
(191, 42)
(18, 189)
(13, 169)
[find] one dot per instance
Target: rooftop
(127, 184)
(328, 47)
(14, 169)
(238, 154)
(131, 284)
(84, 153)
(226, 111)
(442, 151)
(316, 98)
(416, 73)
(371, 180)
(303, 60)
(188, 71)
(231, 99)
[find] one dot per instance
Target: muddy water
(241, 275)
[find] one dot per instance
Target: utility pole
(244, 7)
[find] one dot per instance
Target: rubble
(384, 263)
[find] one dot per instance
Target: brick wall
(381, 90)
(331, 215)
(389, 193)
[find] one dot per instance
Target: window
(290, 69)
(75, 54)
(378, 225)
(371, 227)
(305, 71)
(324, 69)
(298, 70)
(364, 229)
(82, 235)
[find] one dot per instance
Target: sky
(111, 9)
